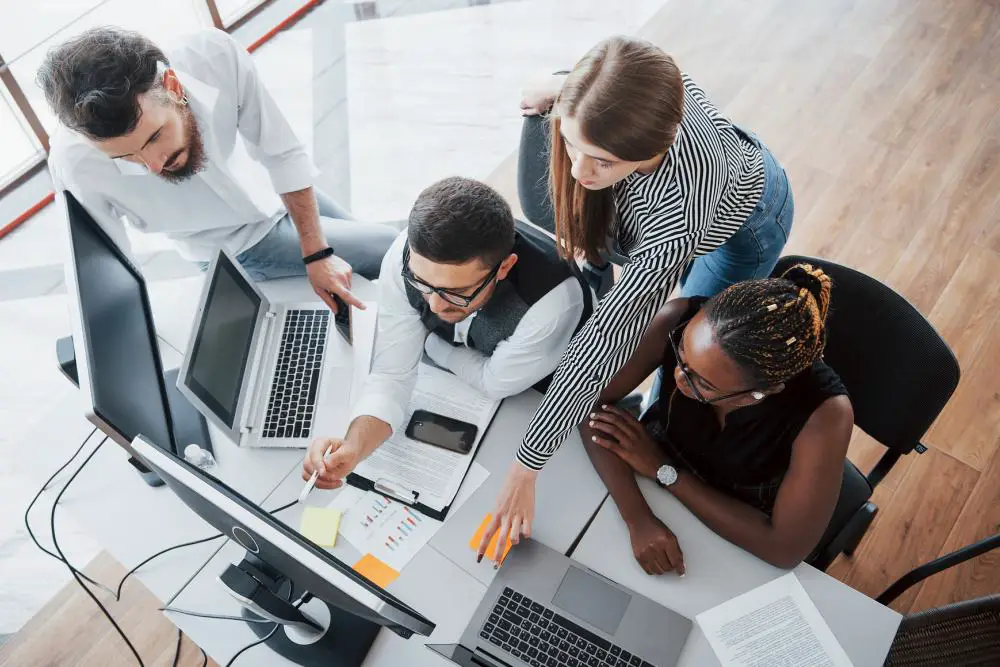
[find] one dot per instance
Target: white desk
(717, 570)
(444, 582)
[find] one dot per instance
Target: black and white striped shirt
(701, 194)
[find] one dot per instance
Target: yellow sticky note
(491, 548)
(375, 571)
(320, 524)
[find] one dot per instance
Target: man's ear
(506, 266)
(173, 85)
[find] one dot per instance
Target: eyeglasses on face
(689, 375)
(454, 298)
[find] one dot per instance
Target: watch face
(666, 475)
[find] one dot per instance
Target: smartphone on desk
(441, 431)
(342, 319)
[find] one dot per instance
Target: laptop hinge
(256, 379)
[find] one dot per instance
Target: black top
(748, 457)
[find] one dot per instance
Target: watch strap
(316, 256)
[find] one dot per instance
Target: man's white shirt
(531, 353)
(233, 203)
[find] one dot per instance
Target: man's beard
(195, 150)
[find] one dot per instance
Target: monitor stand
(343, 641)
(188, 424)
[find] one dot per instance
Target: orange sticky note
(375, 570)
(491, 548)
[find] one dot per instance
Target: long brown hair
(628, 96)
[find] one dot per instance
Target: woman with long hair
(643, 164)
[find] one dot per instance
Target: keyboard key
(615, 651)
(494, 618)
(551, 662)
(561, 632)
(646, 664)
(602, 655)
(484, 635)
(496, 640)
(535, 663)
(535, 618)
(573, 662)
(564, 646)
(517, 596)
(543, 624)
(563, 658)
(502, 635)
(574, 651)
(489, 627)
(547, 613)
(537, 608)
(523, 612)
(532, 651)
(504, 625)
(592, 662)
(523, 646)
(515, 652)
(621, 663)
(510, 616)
(635, 661)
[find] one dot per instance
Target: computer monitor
(117, 354)
(280, 566)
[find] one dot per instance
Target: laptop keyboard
(542, 638)
(300, 364)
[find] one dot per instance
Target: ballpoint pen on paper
(312, 478)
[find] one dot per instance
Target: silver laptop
(267, 374)
(545, 610)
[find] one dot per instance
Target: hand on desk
(655, 546)
(515, 509)
(344, 456)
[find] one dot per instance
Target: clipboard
(410, 497)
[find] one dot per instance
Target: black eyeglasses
(689, 374)
(454, 298)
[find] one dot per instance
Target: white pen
(312, 478)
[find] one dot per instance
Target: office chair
(958, 635)
(900, 374)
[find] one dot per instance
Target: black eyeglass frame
(454, 298)
(687, 372)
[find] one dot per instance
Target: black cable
(250, 646)
(31, 505)
(177, 651)
(128, 574)
(204, 657)
(180, 546)
(72, 570)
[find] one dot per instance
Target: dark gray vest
(538, 271)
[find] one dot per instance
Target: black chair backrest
(900, 373)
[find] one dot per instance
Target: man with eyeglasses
(485, 297)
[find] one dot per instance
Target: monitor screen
(222, 345)
(119, 340)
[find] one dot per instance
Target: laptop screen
(221, 350)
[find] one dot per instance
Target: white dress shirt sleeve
(71, 171)
(270, 138)
(532, 352)
(399, 344)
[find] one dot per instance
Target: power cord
(262, 640)
(72, 570)
(80, 576)
(31, 505)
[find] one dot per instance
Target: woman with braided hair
(751, 427)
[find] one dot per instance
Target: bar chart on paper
(390, 531)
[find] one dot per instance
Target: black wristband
(316, 256)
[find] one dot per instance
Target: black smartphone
(342, 320)
(441, 431)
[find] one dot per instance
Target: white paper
(364, 325)
(774, 624)
(389, 530)
(434, 472)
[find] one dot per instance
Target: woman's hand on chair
(538, 95)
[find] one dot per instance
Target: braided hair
(774, 328)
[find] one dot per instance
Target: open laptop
(544, 610)
(267, 374)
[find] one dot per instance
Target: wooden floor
(70, 629)
(885, 115)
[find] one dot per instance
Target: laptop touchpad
(595, 601)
